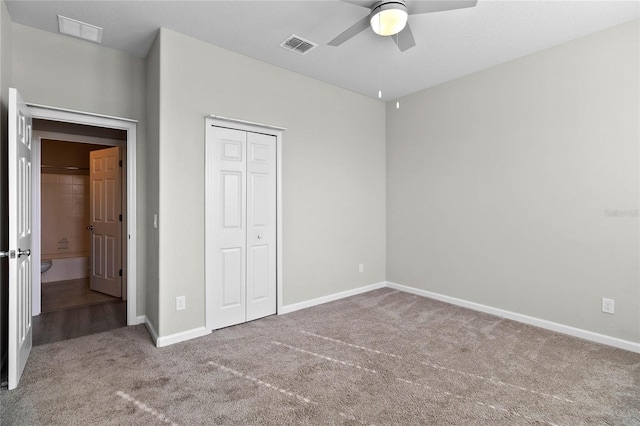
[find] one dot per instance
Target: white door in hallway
(20, 228)
(240, 257)
(106, 224)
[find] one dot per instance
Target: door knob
(11, 254)
(90, 228)
(259, 236)
(26, 252)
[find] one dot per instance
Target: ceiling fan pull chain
(379, 71)
(397, 78)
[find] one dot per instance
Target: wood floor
(70, 294)
(70, 309)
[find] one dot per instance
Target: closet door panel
(261, 225)
(232, 263)
(228, 254)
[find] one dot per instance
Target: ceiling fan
(389, 17)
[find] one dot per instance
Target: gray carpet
(384, 357)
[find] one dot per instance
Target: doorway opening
(80, 205)
(87, 285)
(89, 314)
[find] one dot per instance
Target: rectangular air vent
(298, 44)
(79, 29)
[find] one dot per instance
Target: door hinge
(120, 217)
(120, 272)
(120, 163)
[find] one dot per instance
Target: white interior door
(20, 220)
(228, 254)
(261, 225)
(106, 224)
(241, 229)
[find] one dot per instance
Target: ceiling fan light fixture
(389, 18)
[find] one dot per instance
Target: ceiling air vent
(79, 29)
(298, 44)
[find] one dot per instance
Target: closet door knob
(90, 228)
(259, 236)
(26, 252)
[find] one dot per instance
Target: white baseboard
(181, 337)
(525, 319)
(548, 325)
(331, 297)
(172, 338)
(140, 319)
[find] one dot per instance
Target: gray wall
(499, 185)
(65, 72)
(5, 81)
(333, 167)
(152, 193)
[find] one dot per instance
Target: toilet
(45, 264)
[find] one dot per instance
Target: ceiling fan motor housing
(388, 17)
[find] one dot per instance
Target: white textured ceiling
(449, 44)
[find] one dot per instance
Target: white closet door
(261, 225)
(228, 253)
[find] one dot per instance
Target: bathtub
(70, 268)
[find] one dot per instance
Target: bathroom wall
(65, 215)
(64, 198)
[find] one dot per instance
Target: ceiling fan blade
(428, 6)
(404, 39)
(353, 30)
(363, 3)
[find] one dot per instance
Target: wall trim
(330, 298)
(249, 123)
(180, 337)
(65, 111)
(514, 316)
(525, 319)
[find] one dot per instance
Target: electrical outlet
(608, 305)
(361, 268)
(181, 303)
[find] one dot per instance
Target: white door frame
(77, 117)
(246, 126)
